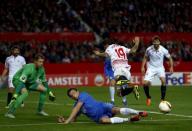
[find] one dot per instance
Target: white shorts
(123, 71)
(10, 83)
(151, 73)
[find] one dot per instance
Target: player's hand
(142, 70)
(2, 79)
(96, 52)
(60, 119)
(136, 40)
(171, 69)
(51, 96)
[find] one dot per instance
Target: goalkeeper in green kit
(30, 78)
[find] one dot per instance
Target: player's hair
(39, 56)
(69, 90)
(156, 37)
(15, 47)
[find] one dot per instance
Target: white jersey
(118, 56)
(156, 57)
(13, 64)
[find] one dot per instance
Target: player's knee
(163, 81)
(146, 83)
(115, 110)
(112, 82)
(24, 90)
(41, 88)
(10, 90)
(104, 120)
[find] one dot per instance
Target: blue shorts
(109, 73)
(106, 111)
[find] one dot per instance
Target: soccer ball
(165, 106)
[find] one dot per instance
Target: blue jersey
(94, 109)
(108, 69)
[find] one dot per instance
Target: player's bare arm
(136, 40)
(5, 72)
(171, 64)
(98, 53)
(143, 64)
(74, 113)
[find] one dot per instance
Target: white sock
(127, 111)
(118, 120)
(124, 99)
(112, 93)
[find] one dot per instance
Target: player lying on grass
(30, 78)
(99, 112)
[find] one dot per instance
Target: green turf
(26, 120)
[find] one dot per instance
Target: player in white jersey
(154, 57)
(12, 64)
(119, 62)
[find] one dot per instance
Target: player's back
(118, 55)
(91, 107)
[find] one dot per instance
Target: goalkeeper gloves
(51, 96)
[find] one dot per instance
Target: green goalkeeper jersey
(30, 74)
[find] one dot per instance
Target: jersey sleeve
(166, 53)
(147, 52)
(107, 51)
(127, 50)
(25, 73)
(6, 63)
(82, 97)
(24, 62)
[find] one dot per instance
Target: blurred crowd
(65, 52)
(101, 15)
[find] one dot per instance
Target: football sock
(118, 120)
(163, 92)
(146, 89)
(124, 99)
(18, 102)
(112, 93)
(128, 111)
(42, 98)
(9, 97)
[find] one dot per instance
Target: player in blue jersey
(109, 73)
(97, 111)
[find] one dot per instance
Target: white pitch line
(170, 114)
(42, 124)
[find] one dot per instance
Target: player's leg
(11, 89)
(42, 97)
(124, 111)
(120, 72)
(16, 102)
(112, 90)
(109, 111)
(146, 84)
(113, 120)
(110, 75)
(161, 75)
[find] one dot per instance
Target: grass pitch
(180, 118)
